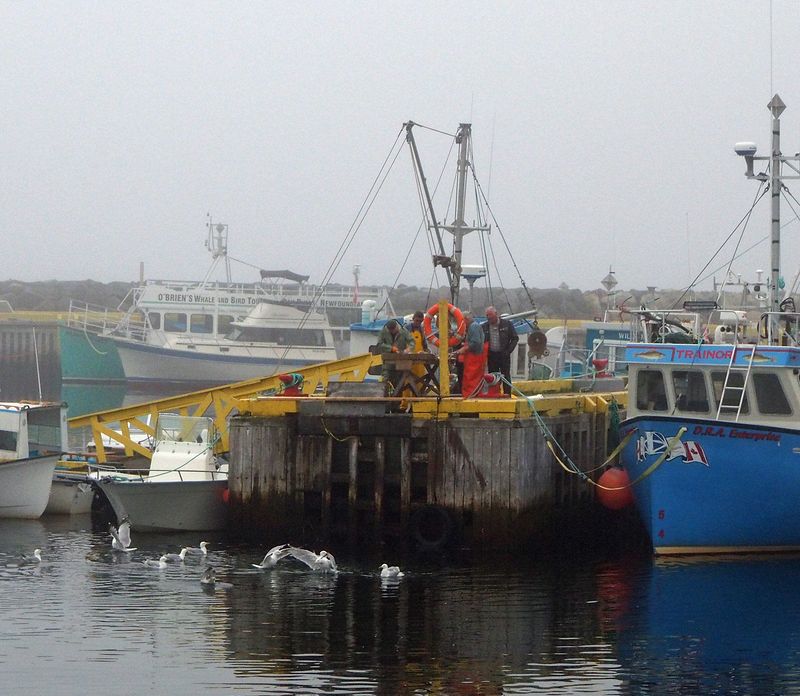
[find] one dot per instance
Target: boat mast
(217, 244)
(776, 106)
(412, 144)
(776, 177)
(458, 228)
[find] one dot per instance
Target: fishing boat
(712, 441)
(212, 331)
(270, 339)
(72, 493)
(32, 438)
(185, 486)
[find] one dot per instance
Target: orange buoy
(614, 489)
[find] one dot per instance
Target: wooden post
(352, 491)
(444, 365)
(405, 481)
(379, 469)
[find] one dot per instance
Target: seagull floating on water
(161, 563)
(209, 581)
(322, 562)
(388, 571)
(121, 537)
(275, 554)
(35, 558)
(201, 549)
(177, 557)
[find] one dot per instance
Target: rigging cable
(426, 222)
(503, 238)
(355, 226)
(744, 220)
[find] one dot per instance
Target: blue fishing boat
(712, 436)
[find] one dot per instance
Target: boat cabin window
(770, 396)
(733, 393)
(690, 390)
(175, 321)
(202, 323)
(651, 393)
(280, 336)
(8, 440)
(155, 320)
(224, 322)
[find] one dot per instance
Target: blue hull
(723, 487)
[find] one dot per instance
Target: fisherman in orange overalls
(474, 353)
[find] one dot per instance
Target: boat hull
(88, 357)
(724, 487)
(145, 363)
(70, 494)
(168, 505)
(25, 486)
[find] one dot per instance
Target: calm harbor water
(90, 620)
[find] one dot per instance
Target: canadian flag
(693, 452)
(656, 443)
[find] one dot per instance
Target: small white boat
(32, 437)
(72, 493)
(185, 487)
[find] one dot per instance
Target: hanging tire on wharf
(431, 527)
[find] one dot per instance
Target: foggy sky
(603, 133)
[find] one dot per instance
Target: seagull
(209, 577)
(35, 558)
(275, 554)
(177, 557)
(122, 536)
(322, 562)
(161, 563)
(202, 549)
(391, 571)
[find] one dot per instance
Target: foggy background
(603, 134)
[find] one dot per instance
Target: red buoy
(226, 495)
(614, 490)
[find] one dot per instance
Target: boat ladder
(732, 397)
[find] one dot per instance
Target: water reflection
(713, 625)
(438, 630)
(92, 620)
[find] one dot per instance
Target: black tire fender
(431, 527)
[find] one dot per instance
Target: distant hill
(553, 303)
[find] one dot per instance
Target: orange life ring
(456, 337)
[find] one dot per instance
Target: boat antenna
(217, 244)
(775, 177)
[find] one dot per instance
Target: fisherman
(502, 339)
(414, 327)
(393, 338)
(472, 354)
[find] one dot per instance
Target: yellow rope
(676, 438)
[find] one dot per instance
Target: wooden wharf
(421, 473)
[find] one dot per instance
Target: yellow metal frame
(430, 407)
(216, 402)
(249, 397)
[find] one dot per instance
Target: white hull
(25, 486)
(169, 506)
(145, 363)
(70, 495)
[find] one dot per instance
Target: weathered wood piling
(350, 472)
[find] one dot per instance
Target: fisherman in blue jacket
(502, 339)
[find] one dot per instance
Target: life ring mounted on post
(453, 314)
